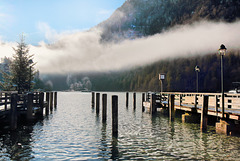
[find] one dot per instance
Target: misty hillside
(142, 18)
(137, 18)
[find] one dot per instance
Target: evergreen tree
(21, 71)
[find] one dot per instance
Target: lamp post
(197, 70)
(222, 52)
(161, 78)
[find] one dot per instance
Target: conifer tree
(21, 71)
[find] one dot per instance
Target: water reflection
(75, 132)
(114, 149)
(16, 145)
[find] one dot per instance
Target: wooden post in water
(134, 101)
(143, 100)
(168, 100)
(196, 101)
(171, 108)
(180, 99)
(115, 116)
(93, 98)
(48, 103)
(104, 108)
(13, 114)
(204, 113)
(51, 101)
(153, 104)
(217, 104)
(127, 96)
(97, 102)
(55, 100)
(41, 103)
(6, 101)
(29, 106)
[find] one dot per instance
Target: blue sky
(32, 17)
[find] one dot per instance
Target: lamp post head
(197, 69)
(222, 50)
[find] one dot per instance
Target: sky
(56, 32)
(34, 17)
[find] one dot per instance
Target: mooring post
(115, 116)
(180, 99)
(168, 100)
(97, 102)
(41, 103)
(216, 106)
(55, 100)
(13, 114)
(104, 108)
(29, 106)
(93, 98)
(127, 95)
(51, 101)
(196, 101)
(204, 113)
(171, 107)
(6, 101)
(143, 100)
(134, 101)
(153, 104)
(48, 103)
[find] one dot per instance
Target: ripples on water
(75, 132)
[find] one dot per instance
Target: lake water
(75, 132)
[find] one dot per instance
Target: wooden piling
(29, 106)
(134, 101)
(127, 95)
(153, 104)
(41, 103)
(13, 114)
(196, 101)
(180, 99)
(204, 113)
(97, 102)
(217, 104)
(171, 108)
(143, 100)
(6, 101)
(51, 101)
(48, 103)
(115, 116)
(55, 100)
(93, 99)
(104, 108)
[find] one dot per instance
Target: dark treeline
(180, 75)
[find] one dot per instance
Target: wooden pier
(28, 106)
(197, 107)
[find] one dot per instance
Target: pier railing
(194, 101)
(29, 105)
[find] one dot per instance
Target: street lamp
(222, 51)
(197, 69)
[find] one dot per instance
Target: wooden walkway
(205, 104)
(28, 106)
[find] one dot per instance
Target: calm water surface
(75, 132)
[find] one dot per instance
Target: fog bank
(83, 52)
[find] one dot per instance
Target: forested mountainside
(140, 18)
(137, 18)
(180, 76)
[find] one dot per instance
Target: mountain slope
(137, 18)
